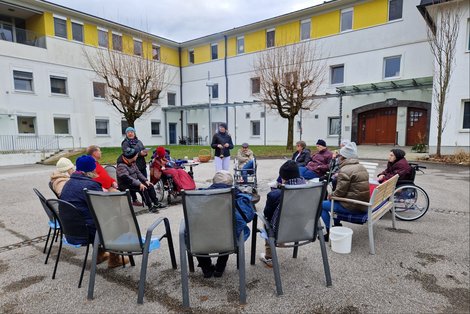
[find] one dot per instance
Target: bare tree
(442, 33)
(290, 76)
(134, 83)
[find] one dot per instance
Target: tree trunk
(290, 134)
(439, 132)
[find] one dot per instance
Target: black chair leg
(58, 256)
(191, 263)
(47, 240)
(170, 243)
(84, 265)
(123, 264)
(131, 260)
(254, 231)
(296, 250)
(50, 246)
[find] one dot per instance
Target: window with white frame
(99, 90)
(270, 38)
(23, 81)
(333, 126)
(392, 66)
(124, 126)
(215, 91)
(60, 27)
(137, 47)
(337, 74)
(214, 51)
(103, 38)
(58, 85)
(155, 127)
(468, 34)
(61, 125)
(466, 115)
(255, 85)
(240, 44)
(305, 29)
(117, 42)
(102, 126)
(26, 125)
(395, 9)
(191, 56)
(77, 31)
(171, 99)
(154, 96)
(346, 19)
(255, 128)
(156, 52)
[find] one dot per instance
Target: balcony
(23, 36)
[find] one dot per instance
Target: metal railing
(23, 36)
(24, 143)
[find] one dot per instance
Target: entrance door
(378, 126)
(193, 133)
(416, 126)
(172, 132)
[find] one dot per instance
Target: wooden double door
(378, 126)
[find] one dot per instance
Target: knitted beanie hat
(223, 176)
(289, 170)
(64, 164)
(349, 150)
(86, 163)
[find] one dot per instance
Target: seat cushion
(358, 218)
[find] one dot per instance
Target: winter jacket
(74, 194)
(320, 163)
(58, 180)
(222, 138)
(400, 167)
(353, 183)
(128, 175)
(103, 177)
(138, 146)
(302, 158)
(243, 157)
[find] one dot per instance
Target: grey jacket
(128, 176)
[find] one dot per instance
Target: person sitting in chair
(245, 159)
(108, 183)
(318, 166)
(302, 154)
(59, 177)
(161, 165)
(397, 164)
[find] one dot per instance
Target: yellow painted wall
(184, 57)
(170, 56)
(110, 39)
(36, 24)
(255, 41)
(69, 29)
(202, 54)
(91, 34)
(147, 49)
(231, 47)
(370, 13)
(288, 33)
(221, 49)
(127, 44)
(325, 24)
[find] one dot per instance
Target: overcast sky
(181, 20)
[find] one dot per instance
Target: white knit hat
(223, 176)
(64, 164)
(349, 150)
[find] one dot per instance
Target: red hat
(161, 151)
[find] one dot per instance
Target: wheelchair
(251, 183)
(167, 186)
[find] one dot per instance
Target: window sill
(103, 135)
(99, 98)
(27, 134)
(255, 136)
(391, 78)
(25, 92)
(395, 20)
(59, 95)
(464, 131)
(334, 85)
(156, 135)
(333, 135)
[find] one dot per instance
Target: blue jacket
(73, 193)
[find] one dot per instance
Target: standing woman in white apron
(222, 143)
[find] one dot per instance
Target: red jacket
(320, 162)
(400, 167)
(103, 177)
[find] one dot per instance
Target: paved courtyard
(422, 267)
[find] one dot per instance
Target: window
(240, 45)
(214, 52)
(395, 9)
(117, 42)
(171, 99)
(26, 125)
(124, 126)
(60, 27)
(466, 115)
(262, 114)
(305, 29)
(155, 126)
(392, 66)
(247, 115)
(468, 35)
(255, 85)
(337, 74)
(193, 133)
(270, 38)
(191, 56)
(102, 126)
(215, 91)
(255, 128)
(154, 96)
(58, 85)
(346, 19)
(99, 90)
(23, 81)
(137, 47)
(333, 126)
(77, 31)
(103, 38)
(61, 125)
(156, 52)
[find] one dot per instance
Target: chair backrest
(210, 220)
(299, 211)
(111, 170)
(115, 220)
(70, 218)
(371, 168)
(383, 192)
(52, 189)
(46, 208)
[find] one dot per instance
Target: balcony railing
(23, 36)
(25, 143)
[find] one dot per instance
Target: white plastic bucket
(341, 239)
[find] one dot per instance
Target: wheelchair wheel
(411, 202)
(159, 190)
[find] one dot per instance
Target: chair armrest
(266, 224)
(152, 227)
(182, 228)
(348, 200)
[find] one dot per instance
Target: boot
(115, 260)
(102, 256)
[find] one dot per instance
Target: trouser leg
(218, 163)
(221, 263)
(226, 163)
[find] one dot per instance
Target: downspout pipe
(181, 91)
(226, 78)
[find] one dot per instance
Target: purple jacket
(320, 162)
(400, 167)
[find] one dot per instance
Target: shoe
(137, 203)
(115, 260)
(207, 272)
(218, 274)
(265, 260)
(154, 209)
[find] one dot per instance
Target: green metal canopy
(388, 86)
